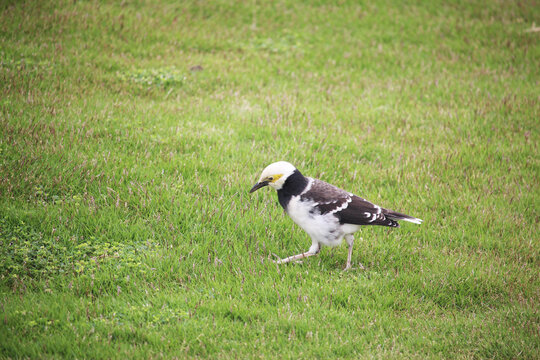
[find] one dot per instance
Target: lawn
(131, 133)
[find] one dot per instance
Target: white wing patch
(342, 207)
(374, 215)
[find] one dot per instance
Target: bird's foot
(278, 261)
(349, 267)
(282, 261)
(295, 258)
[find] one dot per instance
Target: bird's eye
(270, 178)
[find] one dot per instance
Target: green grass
(130, 134)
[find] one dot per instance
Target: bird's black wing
(348, 208)
(325, 198)
(362, 212)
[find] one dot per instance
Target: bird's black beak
(257, 186)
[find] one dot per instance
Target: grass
(130, 134)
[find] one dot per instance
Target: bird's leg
(313, 250)
(294, 258)
(350, 241)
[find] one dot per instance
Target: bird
(325, 212)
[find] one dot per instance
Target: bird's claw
(349, 267)
(283, 261)
(278, 261)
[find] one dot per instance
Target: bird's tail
(394, 215)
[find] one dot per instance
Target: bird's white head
(274, 175)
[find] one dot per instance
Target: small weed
(30, 254)
(286, 43)
(160, 77)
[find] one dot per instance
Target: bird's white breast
(324, 229)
